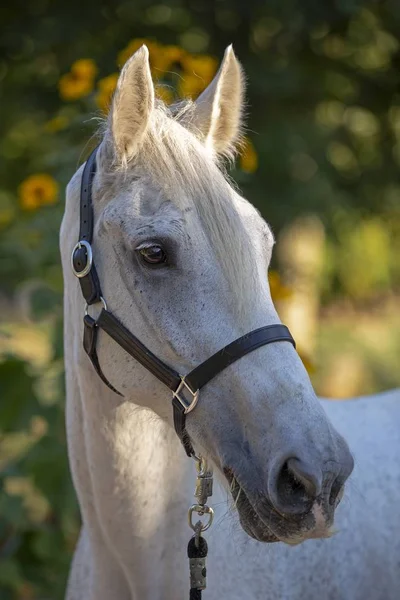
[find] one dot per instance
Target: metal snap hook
(200, 510)
(201, 465)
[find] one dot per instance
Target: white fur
(132, 105)
(155, 181)
(218, 115)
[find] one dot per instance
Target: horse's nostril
(296, 487)
(304, 474)
(289, 488)
(336, 493)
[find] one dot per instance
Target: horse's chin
(251, 523)
(255, 528)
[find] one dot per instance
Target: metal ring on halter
(89, 259)
(101, 300)
(200, 510)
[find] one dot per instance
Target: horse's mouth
(261, 522)
(251, 522)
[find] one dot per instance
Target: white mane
(189, 174)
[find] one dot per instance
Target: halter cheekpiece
(185, 389)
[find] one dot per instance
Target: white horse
(182, 261)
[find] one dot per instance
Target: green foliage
(16, 384)
(364, 258)
(38, 514)
(324, 117)
(324, 107)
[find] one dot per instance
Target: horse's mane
(189, 174)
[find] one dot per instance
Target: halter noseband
(185, 389)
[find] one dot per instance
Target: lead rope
(197, 547)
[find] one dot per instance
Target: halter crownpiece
(185, 389)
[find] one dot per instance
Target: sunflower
(202, 66)
(248, 157)
(279, 291)
(161, 57)
(38, 190)
(131, 48)
(79, 81)
(85, 68)
(56, 124)
(190, 86)
(307, 362)
(165, 94)
(106, 87)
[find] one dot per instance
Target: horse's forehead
(132, 215)
(143, 199)
(140, 203)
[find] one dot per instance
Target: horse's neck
(133, 480)
(132, 477)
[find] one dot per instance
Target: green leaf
(10, 574)
(19, 401)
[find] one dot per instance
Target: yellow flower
(165, 94)
(279, 291)
(79, 81)
(161, 57)
(174, 53)
(38, 190)
(106, 88)
(71, 88)
(248, 157)
(202, 65)
(198, 72)
(131, 49)
(57, 124)
(85, 68)
(307, 362)
(190, 86)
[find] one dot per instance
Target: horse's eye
(153, 255)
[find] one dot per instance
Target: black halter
(185, 390)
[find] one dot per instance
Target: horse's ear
(132, 105)
(218, 110)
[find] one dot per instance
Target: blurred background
(321, 161)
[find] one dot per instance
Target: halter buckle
(187, 406)
(89, 259)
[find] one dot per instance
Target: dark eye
(153, 255)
